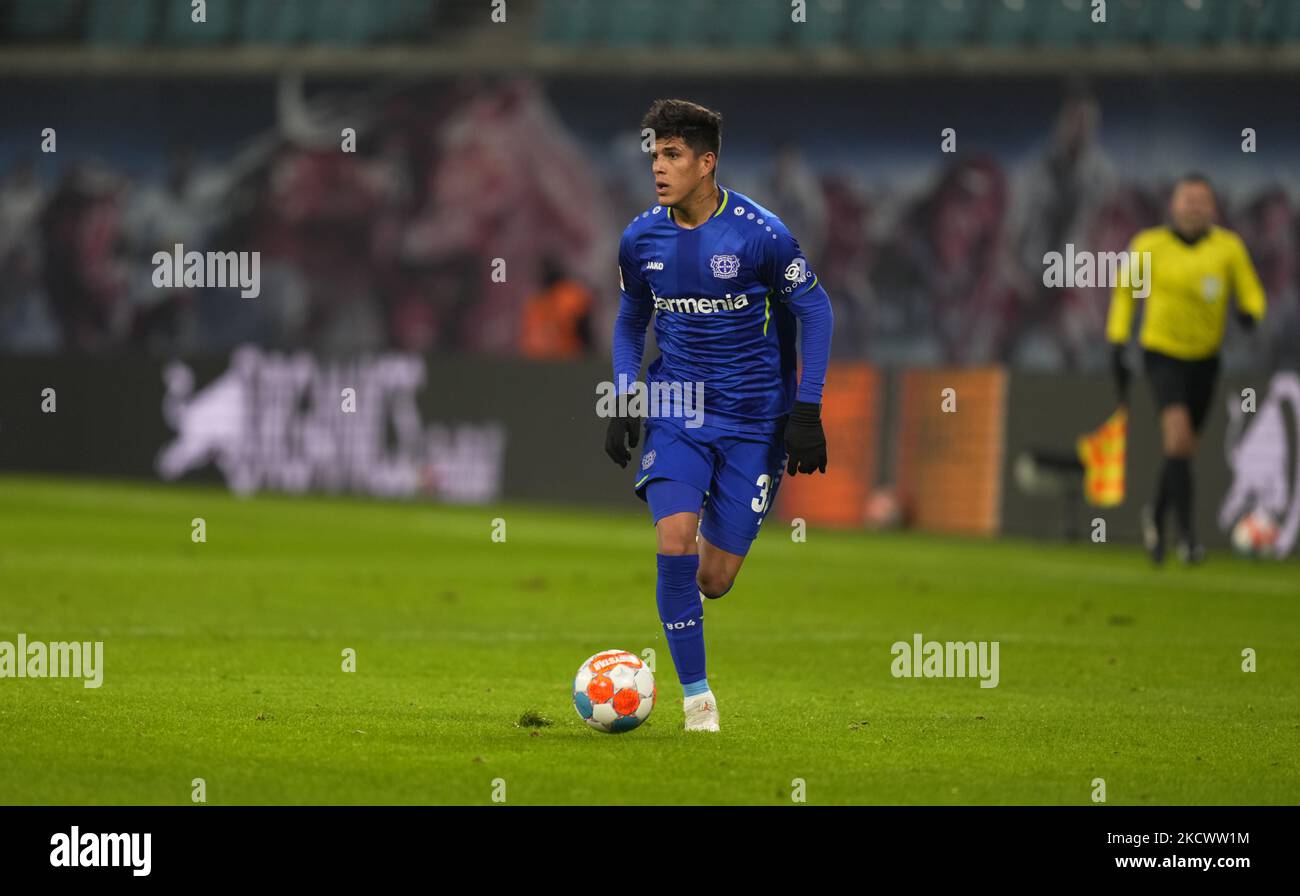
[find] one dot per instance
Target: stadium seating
(864, 26)
(1265, 22)
(43, 19)
(754, 23)
(949, 23)
(1134, 22)
(281, 23)
(122, 22)
(342, 23)
(1012, 23)
(1193, 24)
(568, 23)
(693, 23)
(883, 24)
(632, 23)
(180, 28)
(1066, 24)
(825, 24)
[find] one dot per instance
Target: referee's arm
(1246, 287)
(1119, 323)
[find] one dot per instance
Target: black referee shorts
(1175, 381)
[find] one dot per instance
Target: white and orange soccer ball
(1255, 534)
(614, 691)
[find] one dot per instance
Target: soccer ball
(614, 691)
(1255, 534)
(883, 509)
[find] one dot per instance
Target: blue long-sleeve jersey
(725, 297)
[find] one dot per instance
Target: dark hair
(1194, 177)
(699, 128)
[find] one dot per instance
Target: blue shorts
(739, 475)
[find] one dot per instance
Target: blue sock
(682, 613)
(695, 688)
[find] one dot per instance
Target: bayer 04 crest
(724, 267)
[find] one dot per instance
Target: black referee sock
(1163, 495)
(1178, 488)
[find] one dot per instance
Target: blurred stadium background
(518, 140)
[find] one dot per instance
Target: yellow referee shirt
(1189, 289)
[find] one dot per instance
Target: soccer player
(725, 282)
(1194, 267)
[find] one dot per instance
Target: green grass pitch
(223, 661)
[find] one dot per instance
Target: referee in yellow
(1194, 268)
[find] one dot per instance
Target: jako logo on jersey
(654, 265)
(725, 267)
(701, 306)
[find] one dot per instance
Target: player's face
(1192, 207)
(677, 169)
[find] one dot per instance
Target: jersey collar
(1192, 242)
(721, 205)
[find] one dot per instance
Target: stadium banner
(950, 448)
(1248, 457)
(464, 429)
(453, 429)
(851, 418)
(1261, 449)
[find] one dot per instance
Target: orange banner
(850, 416)
(950, 448)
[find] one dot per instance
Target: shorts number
(677, 625)
(759, 504)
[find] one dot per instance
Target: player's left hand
(622, 430)
(805, 440)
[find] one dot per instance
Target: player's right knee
(677, 533)
(676, 545)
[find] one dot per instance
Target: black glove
(804, 439)
(1245, 319)
(628, 427)
(1119, 370)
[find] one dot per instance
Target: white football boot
(701, 712)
